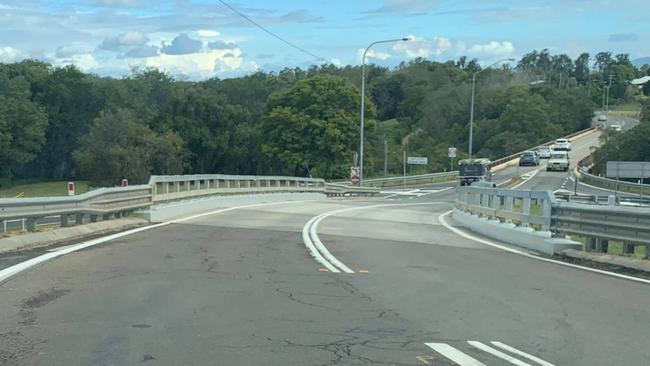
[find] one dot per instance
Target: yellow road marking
(363, 271)
(323, 270)
(424, 359)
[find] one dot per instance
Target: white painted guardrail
(542, 212)
(119, 201)
(105, 202)
(175, 187)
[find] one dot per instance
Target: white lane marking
(312, 248)
(320, 252)
(455, 355)
(9, 272)
(444, 223)
(321, 247)
(497, 353)
(531, 176)
(521, 353)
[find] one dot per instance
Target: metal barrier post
(79, 219)
(30, 224)
(64, 220)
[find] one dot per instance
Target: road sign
(452, 152)
(354, 174)
(417, 160)
(70, 188)
(628, 169)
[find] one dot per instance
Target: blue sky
(199, 39)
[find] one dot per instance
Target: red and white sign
(354, 174)
(70, 188)
(125, 182)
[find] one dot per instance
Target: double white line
(316, 247)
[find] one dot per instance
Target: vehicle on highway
(544, 152)
(616, 127)
(528, 158)
(562, 145)
(559, 161)
(470, 171)
(601, 117)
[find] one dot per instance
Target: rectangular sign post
(417, 160)
(452, 155)
(628, 169)
(354, 174)
(70, 188)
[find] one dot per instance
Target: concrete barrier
(524, 237)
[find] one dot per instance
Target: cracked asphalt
(241, 289)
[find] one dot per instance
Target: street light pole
(608, 87)
(363, 94)
(471, 111)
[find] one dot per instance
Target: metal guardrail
(603, 200)
(105, 202)
(338, 190)
(175, 187)
(541, 210)
(119, 201)
(612, 184)
(411, 179)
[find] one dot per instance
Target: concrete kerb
(524, 237)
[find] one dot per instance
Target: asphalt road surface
(241, 289)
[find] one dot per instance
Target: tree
(22, 126)
(312, 128)
(119, 145)
(581, 70)
(603, 59)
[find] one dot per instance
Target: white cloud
(423, 47)
(202, 64)
(493, 49)
(207, 33)
(128, 39)
(10, 54)
(336, 62)
(379, 55)
(84, 61)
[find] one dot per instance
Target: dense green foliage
(632, 145)
(59, 123)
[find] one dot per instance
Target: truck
(475, 170)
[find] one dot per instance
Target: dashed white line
(521, 353)
(497, 353)
(455, 355)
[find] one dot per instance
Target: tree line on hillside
(60, 123)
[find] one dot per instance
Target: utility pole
(385, 158)
(602, 109)
(608, 87)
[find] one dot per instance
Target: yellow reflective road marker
(362, 271)
(323, 270)
(424, 359)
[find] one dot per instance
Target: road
(241, 289)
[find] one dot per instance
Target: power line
(271, 33)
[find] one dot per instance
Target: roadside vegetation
(631, 145)
(61, 124)
(43, 189)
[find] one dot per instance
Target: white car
(602, 117)
(559, 161)
(617, 128)
(562, 145)
(544, 152)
